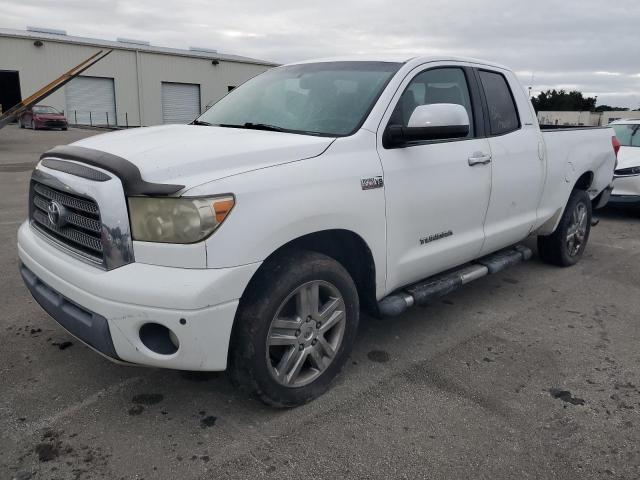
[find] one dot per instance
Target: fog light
(174, 339)
(159, 339)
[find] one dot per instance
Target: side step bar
(440, 285)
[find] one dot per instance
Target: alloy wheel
(577, 231)
(306, 333)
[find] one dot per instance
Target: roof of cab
(402, 59)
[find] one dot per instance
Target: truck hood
(628, 157)
(192, 154)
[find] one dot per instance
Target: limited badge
(435, 236)
(371, 182)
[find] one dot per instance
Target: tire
(20, 124)
(278, 329)
(565, 246)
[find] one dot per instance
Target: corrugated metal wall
(213, 79)
(40, 65)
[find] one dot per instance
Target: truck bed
(570, 151)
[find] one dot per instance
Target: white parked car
(251, 239)
(626, 184)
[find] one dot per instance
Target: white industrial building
(584, 118)
(136, 84)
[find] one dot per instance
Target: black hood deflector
(128, 173)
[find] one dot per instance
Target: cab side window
(439, 85)
(503, 115)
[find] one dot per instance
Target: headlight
(632, 171)
(177, 220)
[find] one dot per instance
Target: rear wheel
(294, 329)
(565, 246)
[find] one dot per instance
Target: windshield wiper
(263, 126)
(200, 122)
(253, 126)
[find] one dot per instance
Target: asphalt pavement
(530, 373)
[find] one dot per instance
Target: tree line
(563, 101)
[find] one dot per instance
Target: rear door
(436, 194)
(517, 160)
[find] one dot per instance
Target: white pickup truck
(251, 239)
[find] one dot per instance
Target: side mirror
(436, 121)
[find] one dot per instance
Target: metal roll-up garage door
(180, 102)
(91, 100)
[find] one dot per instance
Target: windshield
(43, 109)
(628, 134)
(330, 98)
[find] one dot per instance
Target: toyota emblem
(56, 213)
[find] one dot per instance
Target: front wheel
(565, 246)
(294, 329)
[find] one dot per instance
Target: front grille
(81, 229)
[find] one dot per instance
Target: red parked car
(42, 116)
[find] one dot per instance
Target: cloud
(611, 74)
(588, 44)
(239, 34)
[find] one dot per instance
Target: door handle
(479, 158)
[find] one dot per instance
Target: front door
(437, 192)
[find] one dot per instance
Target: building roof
(124, 45)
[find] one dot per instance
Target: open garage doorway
(9, 89)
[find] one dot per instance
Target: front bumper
(624, 200)
(91, 328)
(197, 305)
(626, 191)
(50, 124)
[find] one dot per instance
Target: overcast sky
(588, 45)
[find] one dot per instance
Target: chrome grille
(73, 218)
(82, 228)
(67, 200)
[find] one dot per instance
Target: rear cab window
(503, 114)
